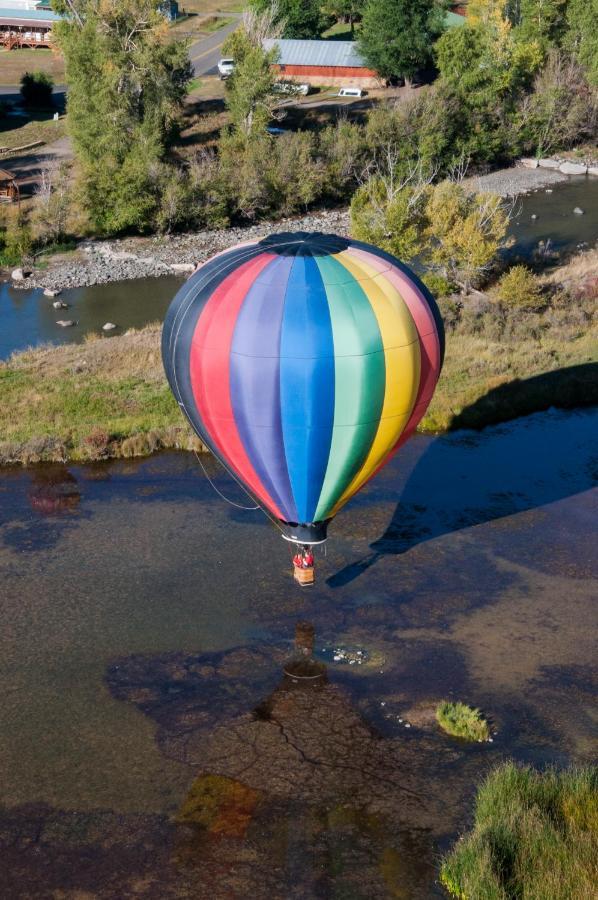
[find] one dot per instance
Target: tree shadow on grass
(467, 478)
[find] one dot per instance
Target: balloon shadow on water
(467, 478)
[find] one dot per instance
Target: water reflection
(320, 797)
(54, 490)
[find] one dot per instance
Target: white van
(225, 67)
(350, 92)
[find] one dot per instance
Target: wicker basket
(304, 576)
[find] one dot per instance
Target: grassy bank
(108, 397)
(103, 398)
(534, 835)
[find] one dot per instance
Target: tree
(543, 21)
(127, 82)
(465, 232)
(562, 108)
(53, 202)
(301, 19)
(250, 98)
(36, 89)
(487, 70)
(396, 35)
(390, 215)
(582, 37)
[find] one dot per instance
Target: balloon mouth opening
(311, 533)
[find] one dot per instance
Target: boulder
(183, 267)
(570, 168)
(593, 170)
(578, 211)
(108, 326)
(50, 292)
(529, 163)
(548, 163)
(17, 275)
(59, 304)
(66, 323)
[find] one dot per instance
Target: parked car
(291, 87)
(226, 67)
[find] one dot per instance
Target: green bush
(438, 285)
(36, 89)
(534, 835)
(462, 721)
(519, 287)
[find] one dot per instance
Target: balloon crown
(304, 243)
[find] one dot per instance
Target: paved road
(204, 54)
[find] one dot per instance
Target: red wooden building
(322, 62)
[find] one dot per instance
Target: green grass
(341, 31)
(39, 127)
(194, 85)
(535, 836)
(107, 397)
(462, 721)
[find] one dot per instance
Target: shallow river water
(146, 625)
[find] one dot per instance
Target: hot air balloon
(303, 361)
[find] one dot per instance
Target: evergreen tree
(126, 86)
(396, 35)
(543, 21)
(582, 37)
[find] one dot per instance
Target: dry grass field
(14, 64)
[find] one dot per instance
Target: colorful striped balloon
(303, 361)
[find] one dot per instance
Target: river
(146, 624)
(28, 318)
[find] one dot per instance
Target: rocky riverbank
(99, 262)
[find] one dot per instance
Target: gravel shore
(516, 180)
(104, 261)
(100, 262)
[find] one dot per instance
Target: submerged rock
(66, 323)
(51, 292)
(59, 304)
(578, 211)
(108, 326)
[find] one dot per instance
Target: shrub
(462, 721)
(438, 285)
(534, 835)
(520, 288)
(96, 444)
(36, 89)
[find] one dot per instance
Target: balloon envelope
(303, 361)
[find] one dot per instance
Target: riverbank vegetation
(462, 721)
(534, 835)
(109, 397)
